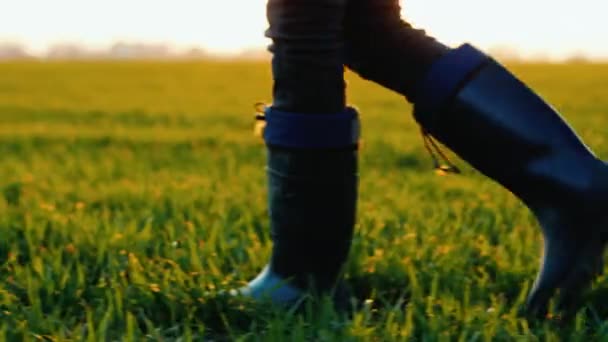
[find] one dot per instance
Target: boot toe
(569, 265)
(270, 286)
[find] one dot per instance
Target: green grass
(133, 192)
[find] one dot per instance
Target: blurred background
(518, 29)
(133, 189)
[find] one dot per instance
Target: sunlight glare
(553, 27)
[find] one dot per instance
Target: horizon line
(125, 49)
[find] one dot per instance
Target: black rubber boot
(312, 177)
(477, 108)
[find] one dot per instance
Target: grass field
(133, 192)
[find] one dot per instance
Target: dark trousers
(312, 41)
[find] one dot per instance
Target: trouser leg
(308, 51)
(383, 48)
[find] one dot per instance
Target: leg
(311, 143)
(476, 107)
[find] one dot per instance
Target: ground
(132, 192)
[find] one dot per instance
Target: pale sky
(549, 27)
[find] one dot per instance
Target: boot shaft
(312, 201)
(312, 193)
(510, 134)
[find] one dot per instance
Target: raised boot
(482, 112)
(312, 194)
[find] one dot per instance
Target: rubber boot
(487, 116)
(312, 193)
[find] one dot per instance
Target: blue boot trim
(445, 77)
(268, 285)
(293, 130)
